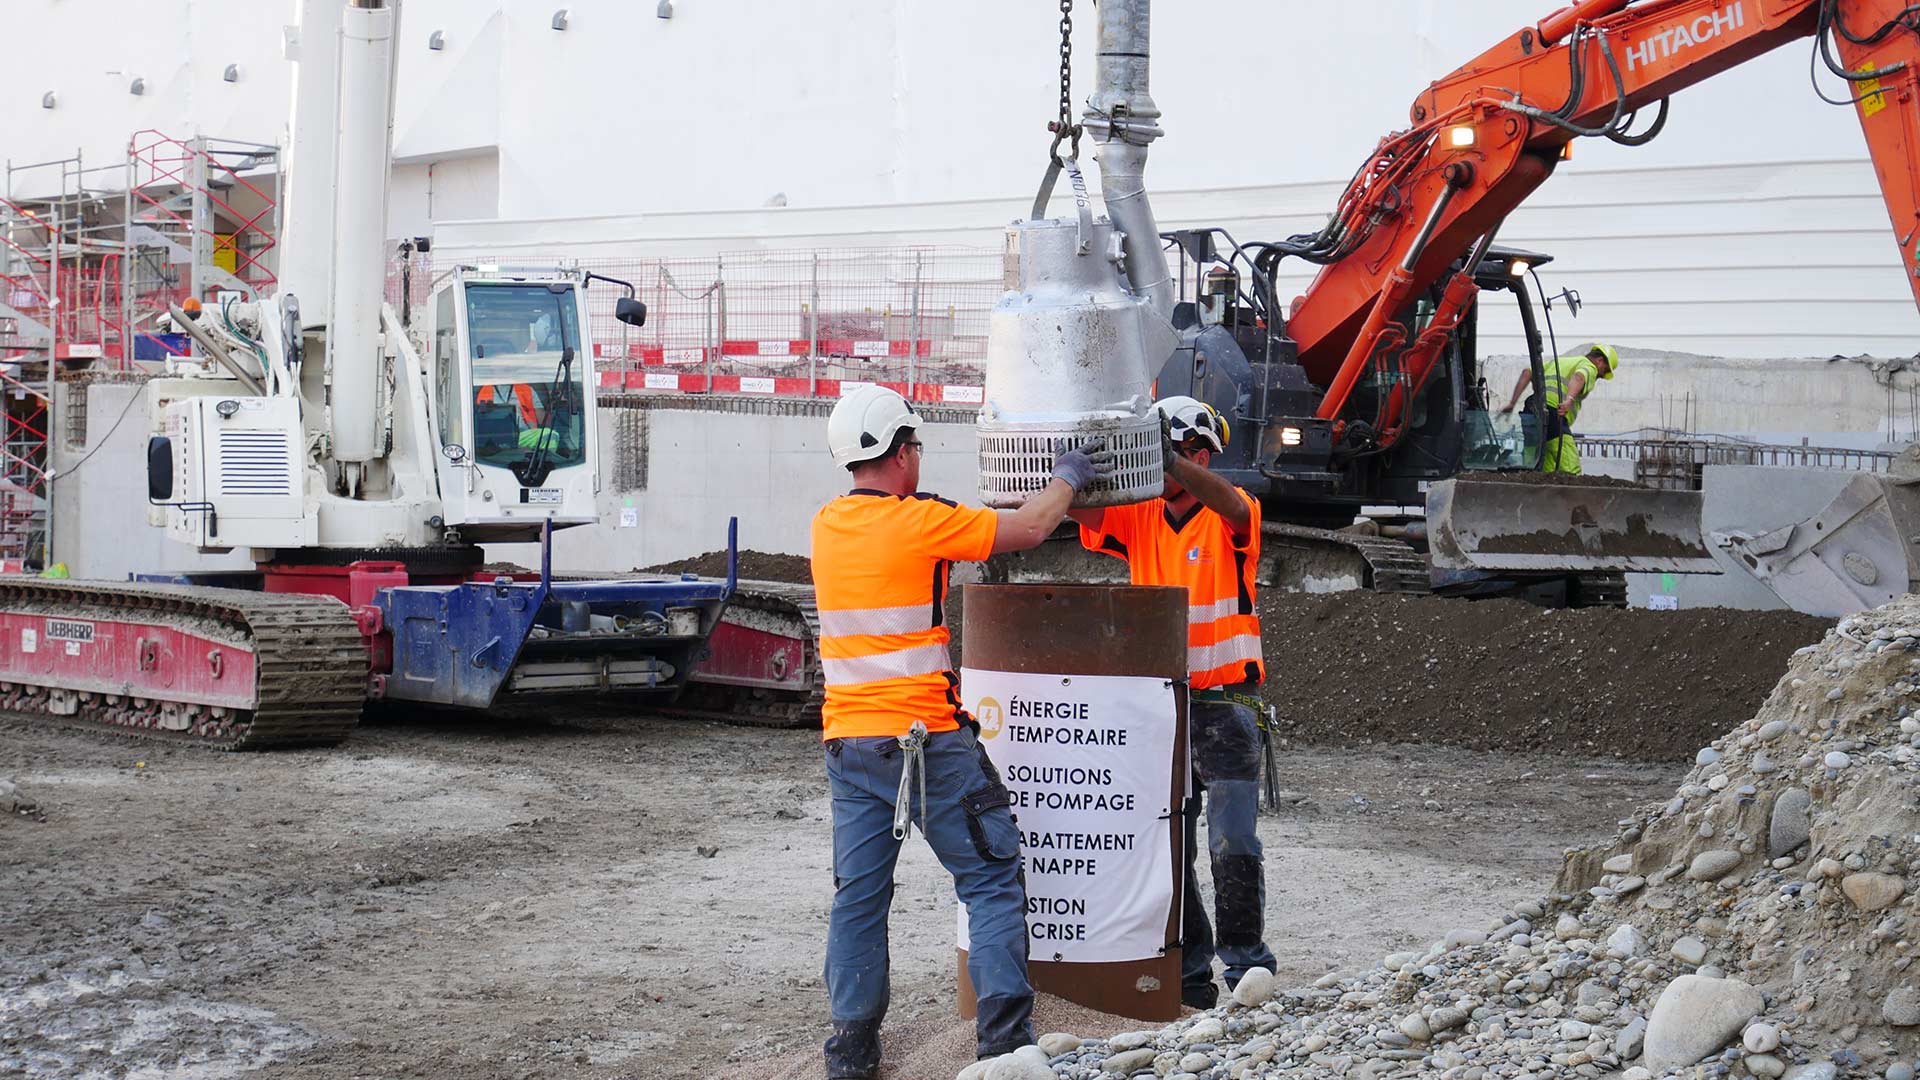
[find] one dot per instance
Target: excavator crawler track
(309, 663)
(1392, 566)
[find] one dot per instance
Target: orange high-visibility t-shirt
(522, 394)
(1223, 633)
(880, 567)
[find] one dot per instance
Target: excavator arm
(1486, 136)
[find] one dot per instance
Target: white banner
(1088, 760)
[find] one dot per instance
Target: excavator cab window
(529, 394)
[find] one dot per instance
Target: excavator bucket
(1525, 522)
(1859, 552)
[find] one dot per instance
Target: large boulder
(1697, 1016)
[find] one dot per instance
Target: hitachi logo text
(1686, 35)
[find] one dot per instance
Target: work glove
(1084, 464)
(1167, 449)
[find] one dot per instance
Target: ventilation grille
(1015, 464)
(255, 463)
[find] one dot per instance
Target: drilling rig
(361, 462)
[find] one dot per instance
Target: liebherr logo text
(1666, 43)
(69, 630)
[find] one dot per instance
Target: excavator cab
(1454, 501)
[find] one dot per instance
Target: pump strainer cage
(1016, 461)
(1069, 359)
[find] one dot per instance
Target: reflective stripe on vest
(1235, 640)
(1235, 651)
(1199, 614)
(880, 621)
(895, 664)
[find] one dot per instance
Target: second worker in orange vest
(1204, 534)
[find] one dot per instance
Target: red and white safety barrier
(778, 386)
(767, 349)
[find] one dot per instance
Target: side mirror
(159, 469)
(630, 311)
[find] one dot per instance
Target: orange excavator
(1485, 137)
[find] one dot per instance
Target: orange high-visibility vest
(1223, 633)
(522, 393)
(880, 567)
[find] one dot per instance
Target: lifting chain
(1064, 128)
(1066, 131)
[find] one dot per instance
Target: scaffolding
(90, 256)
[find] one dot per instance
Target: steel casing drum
(1070, 351)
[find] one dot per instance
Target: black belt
(1229, 695)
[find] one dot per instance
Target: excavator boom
(1486, 136)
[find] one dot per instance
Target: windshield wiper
(532, 471)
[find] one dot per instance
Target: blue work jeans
(1226, 765)
(971, 830)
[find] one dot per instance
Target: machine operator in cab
(1569, 380)
(900, 750)
(1204, 534)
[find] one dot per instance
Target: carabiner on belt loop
(913, 764)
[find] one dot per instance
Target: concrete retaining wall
(700, 468)
(1853, 403)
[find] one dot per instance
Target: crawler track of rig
(783, 602)
(310, 663)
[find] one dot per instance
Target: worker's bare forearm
(1090, 518)
(1035, 520)
(1519, 387)
(1214, 493)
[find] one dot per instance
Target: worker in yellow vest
(1569, 379)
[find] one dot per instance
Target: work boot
(853, 1050)
(1199, 995)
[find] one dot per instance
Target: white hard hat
(1189, 417)
(863, 424)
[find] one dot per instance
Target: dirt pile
(754, 566)
(1502, 674)
(1760, 922)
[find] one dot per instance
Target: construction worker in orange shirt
(1204, 534)
(899, 747)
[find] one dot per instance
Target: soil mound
(1501, 674)
(754, 565)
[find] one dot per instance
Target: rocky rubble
(1761, 923)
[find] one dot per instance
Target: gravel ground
(602, 896)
